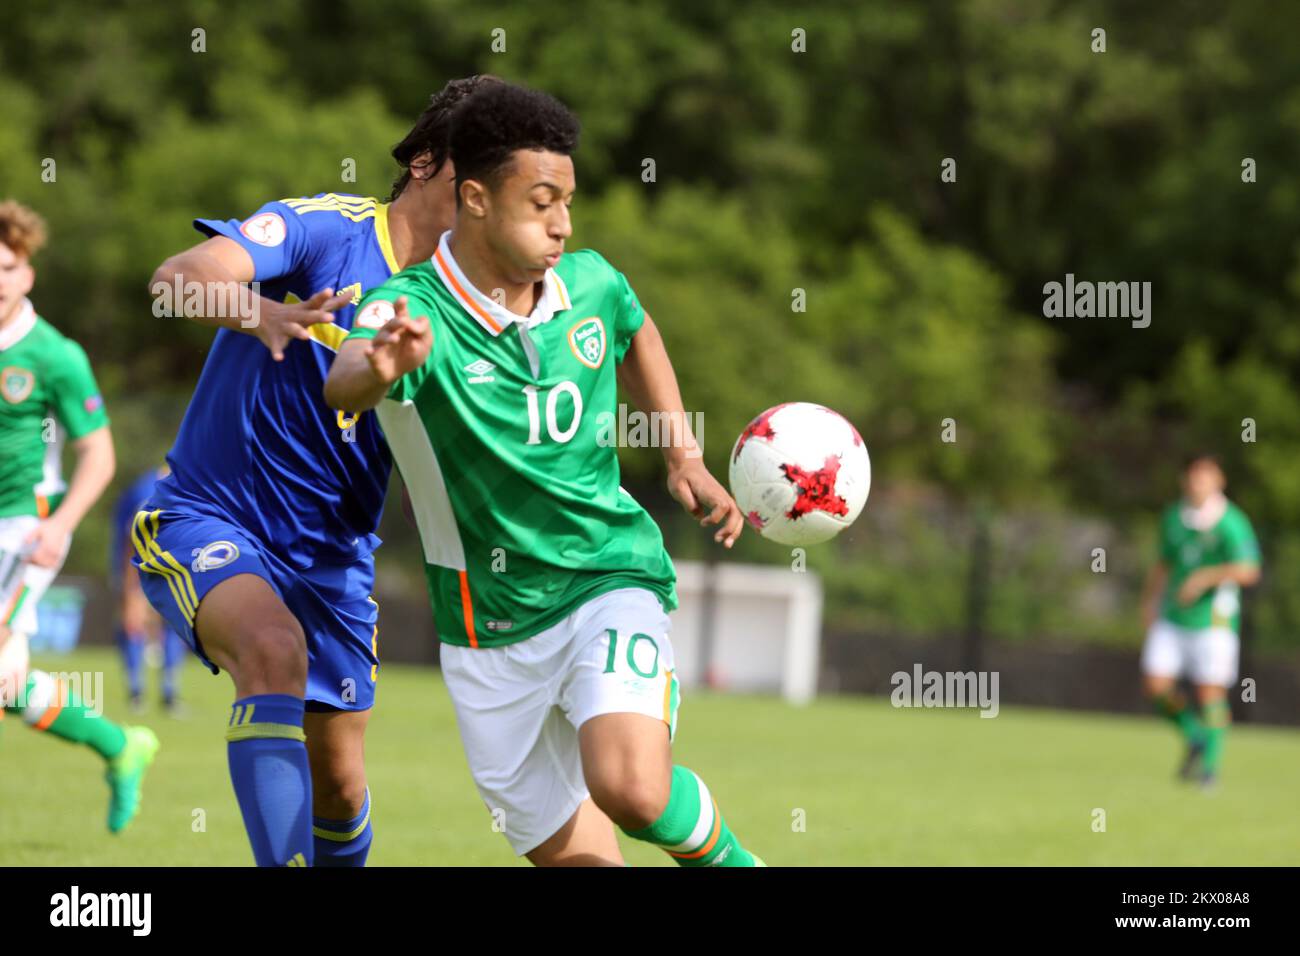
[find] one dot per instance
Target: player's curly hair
(21, 229)
(487, 127)
(429, 134)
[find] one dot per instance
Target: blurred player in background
(550, 583)
(48, 394)
(139, 626)
(258, 547)
(1192, 611)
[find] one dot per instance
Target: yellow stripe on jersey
(188, 581)
(139, 533)
(333, 200)
(328, 206)
(328, 334)
(385, 240)
(353, 210)
(138, 530)
(184, 590)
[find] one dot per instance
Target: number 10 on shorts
(641, 656)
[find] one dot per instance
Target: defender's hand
(281, 322)
(401, 346)
(704, 497)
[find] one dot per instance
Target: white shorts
(22, 585)
(519, 707)
(14, 659)
(1206, 656)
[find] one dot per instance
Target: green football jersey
(505, 452)
(1184, 549)
(47, 391)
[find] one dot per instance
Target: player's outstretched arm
(365, 369)
(96, 463)
(647, 374)
(221, 264)
(1242, 573)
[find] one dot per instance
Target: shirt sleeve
(75, 396)
(279, 240)
(1240, 541)
(629, 316)
(376, 311)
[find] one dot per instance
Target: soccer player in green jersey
(1192, 611)
(47, 392)
(489, 366)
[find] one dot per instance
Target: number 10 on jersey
(552, 402)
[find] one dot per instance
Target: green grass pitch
(846, 781)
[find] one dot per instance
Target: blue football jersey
(258, 445)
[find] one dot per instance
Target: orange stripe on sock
(468, 607)
(713, 839)
(56, 707)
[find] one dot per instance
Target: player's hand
(704, 497)
(1192, 588)
(401, 346)
(281, 322)
(48, 542)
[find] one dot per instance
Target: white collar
(23, 323)
(485, 310)
(1206, 516)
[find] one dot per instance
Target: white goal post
(748, 627)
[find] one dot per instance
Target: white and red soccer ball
(800, 473)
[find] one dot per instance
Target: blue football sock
(173, 654)
(267, 750)
(132, 647)
(344, 842)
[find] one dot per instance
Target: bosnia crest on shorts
(16, 383)
(587, 339)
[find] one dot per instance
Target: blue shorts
(182, 556)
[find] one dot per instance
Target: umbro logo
(478, 371)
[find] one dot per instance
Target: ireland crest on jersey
(587, 339)
(16, 384)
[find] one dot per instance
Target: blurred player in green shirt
(48, 394)
(1192, 611)
(489, 367)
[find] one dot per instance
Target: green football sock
(691, 829)
(1217, 718)
(1174, 707)
(50, 706)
